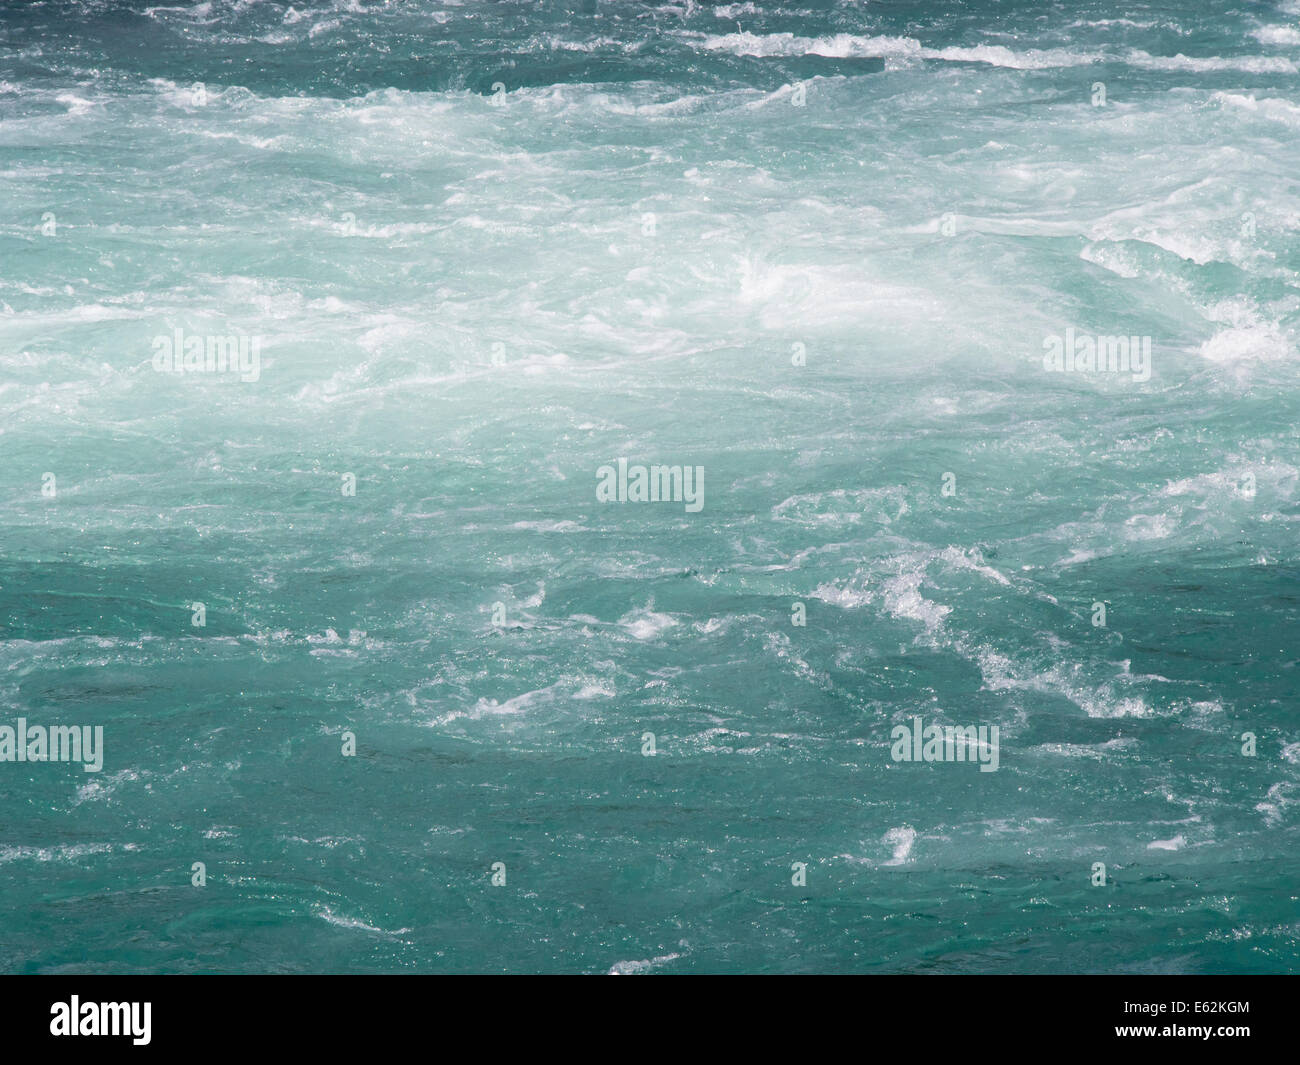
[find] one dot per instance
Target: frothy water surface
(818, 250)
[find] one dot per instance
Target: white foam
(1252, 343)
(1277, 35)
(842, 596)
(339, 921)
(1150, 526)
(1097, 751)
(903, 599)
(631, 968)
(840, 46)
(999, 56)
(600, 690)
(1275, 803)
(901, 840)
(1250, 64)
(845, 46)
(1267, 107)
(492, 708)
(645, 624)
(75, 852)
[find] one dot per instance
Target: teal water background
(471, 300)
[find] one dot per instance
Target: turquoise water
(817, 250)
